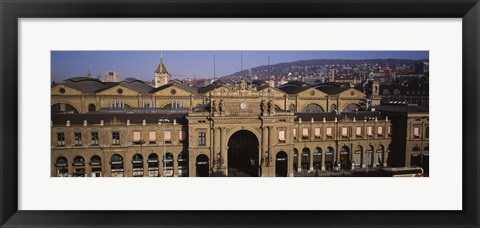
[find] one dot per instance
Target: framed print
(266, 113)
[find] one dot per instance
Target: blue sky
(182, 64)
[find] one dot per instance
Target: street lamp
(164, 146)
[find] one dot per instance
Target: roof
(85, 84)
(294, 89)
(209, 88)
(95, 118)
(331, 90)
(182, 86)
(161, 68)
(135, 84)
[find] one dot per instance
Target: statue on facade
(222, 106)
(213, 107)
(263, 106)
(270, 107)
(243, 84)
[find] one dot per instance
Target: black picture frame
(11, 11)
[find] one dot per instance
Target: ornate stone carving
(221, 106)
(213, 106)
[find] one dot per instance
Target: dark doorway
(281, 162)
(243, 154)
(202, 166)
(345, 158)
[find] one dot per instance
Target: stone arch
(234, 130)
(313, 107)
(58, 103)
(351, 107)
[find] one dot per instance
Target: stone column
(311, 160)
(323, 159)
(223, 149)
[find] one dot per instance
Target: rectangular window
(369, 131)
(358, 132)
(426, 132)
(389, 131)
(94, 138)
(60, 139)
(344, 132)
(281, 136)
(136, 137)
(201, 138)
(116, 138)
(294, 133)
(329, 133)
(380, 131)
(167, 137)
(152, 137)
(77, 138)
(317, 133)
(416, 131)
(305, 133)
(181, 136)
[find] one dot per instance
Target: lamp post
(163, 121)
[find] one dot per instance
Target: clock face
(243, 105)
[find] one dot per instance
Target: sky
(183, 64)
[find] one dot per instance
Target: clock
(243, 106)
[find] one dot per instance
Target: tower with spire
(161, 74)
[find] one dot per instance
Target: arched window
(357, 158)
(63, 108)
(312, 108)
(91, 108)
(96, 165)
(305, 159)
(317, 158)
(62, 167)
(116, 165)
(168, 165)
(183, 164)
(345, 162)
(78, 166)
(379, 156)
(153, 165)
(137, 162)
(329, 158)
(202, 164)
(369, 152)
(295, 160)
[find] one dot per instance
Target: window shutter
(380, 130)
(136, 136)
(181, 135)
(152, 136)
(359, 131)
(305, 132)
(369, 130)
(344, 131)
(294, 132)
(329, 131)
(317, 131)
(168, 136)
(281, 135)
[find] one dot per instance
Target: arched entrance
(345, 157)
(281, 164)
(116, 165)
(96, 165)
(202, 166)
(62, 167)
(243, 154)
(153, 164)
(78, 166)
(137, 163)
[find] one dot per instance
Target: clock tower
(161, 74)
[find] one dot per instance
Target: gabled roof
(85, 84)
(135, 84)
(209, 88)
(181, 86)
